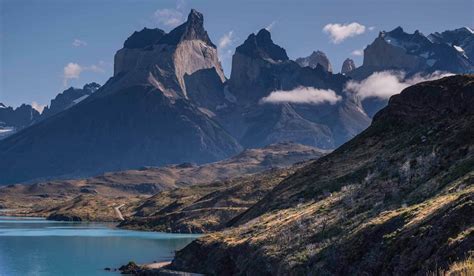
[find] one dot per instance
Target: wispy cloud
(371, 28)
(340, 32)
(385, 84)
(168, 17)
(302, 95)
(358, 52)
(270, 26)
(79, 43)
(38, 107)
(73, 71)
(226, 40)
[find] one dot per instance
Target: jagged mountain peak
(69, 98)
(347, 66)
(181, 53)
(192, 29)
(450, 51)
(316, 58)
(397, 30)
(261, 46)
(93, 86)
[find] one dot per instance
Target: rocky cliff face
(397, 199)
(252, 66)
(164, 60)
(347, 66)
(314, 59)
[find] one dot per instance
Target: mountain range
(169, 102)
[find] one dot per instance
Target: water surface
(32, 246)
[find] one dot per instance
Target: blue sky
(39, 38)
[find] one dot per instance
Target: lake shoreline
(91, 247)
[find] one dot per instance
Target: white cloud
(73, 71)
(387, 83)
(79, 43)
(358, 52)
(226, 40)
(340, 32)
(38, 107)
(302, 95)
(371, 28)
(168, 17)
(270, 26)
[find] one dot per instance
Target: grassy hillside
(397, 199)
(203, 207)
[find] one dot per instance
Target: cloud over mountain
(302, 95)
(388, 83)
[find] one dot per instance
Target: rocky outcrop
(347, 66)
(397, 199)
(68, 98)
(316, 58)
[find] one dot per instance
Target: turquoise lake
(32, 246)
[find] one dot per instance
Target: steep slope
(202, 208)
(397, 199)
(141, 117)
(63, 199)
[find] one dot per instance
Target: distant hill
(94, 198)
